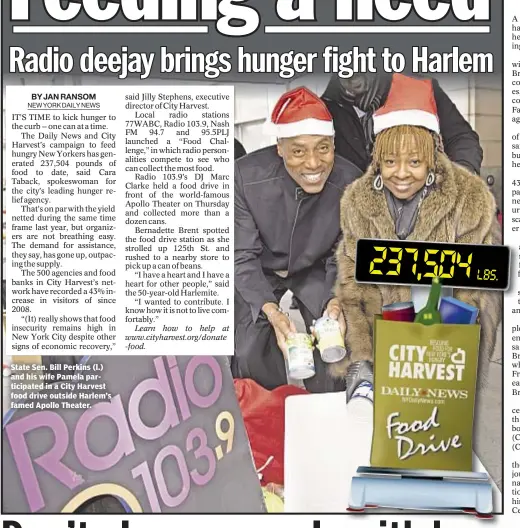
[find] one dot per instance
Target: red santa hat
(300, 112)
(409, 102)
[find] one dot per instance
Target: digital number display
(408, 263)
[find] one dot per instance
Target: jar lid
(397, 306)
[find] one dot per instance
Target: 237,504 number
(444, 268)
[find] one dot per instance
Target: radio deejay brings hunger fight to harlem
(287, 199)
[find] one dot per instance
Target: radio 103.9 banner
(414, 263)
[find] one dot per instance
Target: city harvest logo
(419, 363)
(236, 18)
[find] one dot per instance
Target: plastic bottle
(430, 314)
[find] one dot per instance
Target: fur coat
(459, 208)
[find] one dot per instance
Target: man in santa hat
(287, 227)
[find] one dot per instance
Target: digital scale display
(400, 262)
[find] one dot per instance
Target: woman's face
(404, 173)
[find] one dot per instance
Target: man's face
(308, 160)
(358, 84)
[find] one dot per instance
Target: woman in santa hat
(411, 191)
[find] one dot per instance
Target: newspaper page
(260, 258)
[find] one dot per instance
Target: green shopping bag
(424, 395)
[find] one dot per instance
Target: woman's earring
(430, 180)
(378, 183)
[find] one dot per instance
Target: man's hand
(282, 325)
